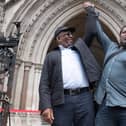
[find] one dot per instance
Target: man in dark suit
(67, 74)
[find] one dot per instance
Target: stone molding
(112, 10)
(122, 3)
(1, 15)
(57, 8)
(26, 118)
(28, 64)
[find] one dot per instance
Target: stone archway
(39, 20)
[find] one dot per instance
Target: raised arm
(103, 39)
(90, 25)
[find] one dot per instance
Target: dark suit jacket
(51, 84)
(51, 90)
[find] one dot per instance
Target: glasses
(67, 34)
(123, 32)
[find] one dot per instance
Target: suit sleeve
(94, 29)
(44, 87)
(90, 26)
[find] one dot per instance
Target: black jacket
(51, 90)
(51, 82)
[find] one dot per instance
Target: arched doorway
(39, 21)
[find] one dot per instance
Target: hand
(88, 4)
(48, 115)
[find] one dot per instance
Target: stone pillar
(30, 88)
(25, 87)
(35, 99)
(1, 82)
(1, 34)
(14, 83)
(1, 13)
(19, 84)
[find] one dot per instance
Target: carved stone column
(35, 97)
(18, 88)
(1, 13)
(15, 83)
(25, 86)
(32, 89)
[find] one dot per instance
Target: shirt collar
(62, 47)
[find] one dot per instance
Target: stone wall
(24, 118)
(1, 15)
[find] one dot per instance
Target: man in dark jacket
(67, 74)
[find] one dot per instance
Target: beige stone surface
(26, 119)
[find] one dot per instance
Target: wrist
(91, 11)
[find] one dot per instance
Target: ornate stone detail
(38, 14)
(1, 14)
(18, 62)
(122, 3)
(55, 11)
(51, 16)
(28, 64)
(38, 67)
(21, 48)
(111, 10)
(34, 19)
(27, 118)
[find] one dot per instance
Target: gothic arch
(39, 20)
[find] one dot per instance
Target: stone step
(25, 118)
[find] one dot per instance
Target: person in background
(111, 91)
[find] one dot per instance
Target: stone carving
(56, 9)
(66, 3)
(51, 16)
(111, 10)
(1, 15)
(32, 118)
(122, 3)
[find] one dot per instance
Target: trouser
(78, 110)
(110, 116)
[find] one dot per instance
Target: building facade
(39, 19)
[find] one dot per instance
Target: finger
(46, 116)
(52, 116)
(50, 121)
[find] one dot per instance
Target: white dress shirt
(73, 73)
